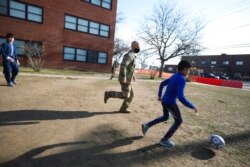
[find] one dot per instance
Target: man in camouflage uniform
(125, 77)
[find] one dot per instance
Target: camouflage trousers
(126, 93)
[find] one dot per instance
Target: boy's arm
(181, 97)
(4, 54)
(163, 83)
(3, 51)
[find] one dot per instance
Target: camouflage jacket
(127, 67)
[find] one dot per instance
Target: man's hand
(133, 78)
(123, 82)
(18, 63)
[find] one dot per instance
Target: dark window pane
(92, 56)
(3, 10)
(3, 7)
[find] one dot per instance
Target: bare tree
(142, 58)
(120, 47)
(169, 34)
(34, 54)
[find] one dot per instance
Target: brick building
(235, 66)
(76, 34)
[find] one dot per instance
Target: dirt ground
(63, 122)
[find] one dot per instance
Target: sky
(227, 23)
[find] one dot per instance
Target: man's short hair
(9, 35)
(182, 64)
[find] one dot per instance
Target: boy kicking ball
(175, 89)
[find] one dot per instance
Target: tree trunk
(161, 69)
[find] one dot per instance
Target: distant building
(76, 34)
(234, 66)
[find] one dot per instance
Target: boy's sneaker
(14, 82)
(144, 128)
(10, 84)
(167, 143)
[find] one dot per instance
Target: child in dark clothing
(175, 89)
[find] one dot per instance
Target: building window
(203, 62)
(94, 28)
(213, 62)
(239, 63)
(225, 62)
(92, 56)
(102, 58)
(69, 53)
(84, 25)
(107, 4)
(17, 9)
(21, 10)
(83, 55)
(3, 7)
(70, 22)
(34, 13)
(104, 30)
(19, 44)
(170, 68)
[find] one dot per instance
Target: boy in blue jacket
(175, 89)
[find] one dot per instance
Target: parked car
(224, 77)
(209, 75)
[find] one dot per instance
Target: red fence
(218, 82)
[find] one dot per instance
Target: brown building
(234, 66)
(76, 34)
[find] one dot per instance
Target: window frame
(225, 62)
(88, 27)
(101, 4)
(239, 63)
(213, 62)
(26, 12)
(87, 56)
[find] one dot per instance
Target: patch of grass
(57, 71)
(147, 77)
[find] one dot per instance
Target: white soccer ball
(216, 141)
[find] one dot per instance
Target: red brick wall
(54, 36)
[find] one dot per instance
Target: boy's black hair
(9, 35)
(182, 64)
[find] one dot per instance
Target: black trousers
(10, 70)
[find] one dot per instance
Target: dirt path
(47, 121)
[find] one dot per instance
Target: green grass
(77, 72)
(56, 71)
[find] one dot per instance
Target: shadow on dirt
(90, 153)
(27, 117)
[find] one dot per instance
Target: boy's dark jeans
(175, 112)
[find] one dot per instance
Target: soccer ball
(216, 141)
